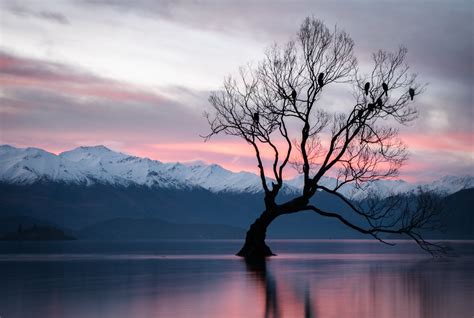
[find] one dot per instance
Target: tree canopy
(278, 105)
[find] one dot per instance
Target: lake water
(308, 278)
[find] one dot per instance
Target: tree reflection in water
(266, 283)
(428, 288)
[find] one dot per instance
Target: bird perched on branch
(256, 118)
(320, 79)
(293, 95)
(360, 113)
(411, 91)
(385, 88)
(370, 107)
(379, 102)
(366, 88)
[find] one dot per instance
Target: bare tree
(276, 105)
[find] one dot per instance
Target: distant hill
(74, 207)
(458, 216)
(149, 229)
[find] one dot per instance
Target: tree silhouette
(357, 146)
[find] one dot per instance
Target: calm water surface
(311, 278)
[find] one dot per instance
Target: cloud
(53, 101)
(438, 35)
(20, 67)
(53, 16)
(20, 72)
(50, 16)
(449, 142)
(137, 74)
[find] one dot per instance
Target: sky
(136, 75)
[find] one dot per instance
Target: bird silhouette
(293, 95)
(366, 88)
(371, 107)
(385, 88)
(360, 112)
(256, 118)
(320, 79)
(411, 91)
(379, 102)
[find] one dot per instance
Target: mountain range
(100, 165)
(96, 193)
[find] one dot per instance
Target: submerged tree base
(255, 247)
(255, 251)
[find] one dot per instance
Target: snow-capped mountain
(381, 187)
(98, 164)
(450, 184)
(24, 166)
(444, 186)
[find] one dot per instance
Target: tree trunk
(255, 247)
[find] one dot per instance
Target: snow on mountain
(98, 164)
(215, 178)
(450, 184)
(444, 186)
(106, 166)
(297, 183)
(382, 187)
(29, 165)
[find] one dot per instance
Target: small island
(37, 233)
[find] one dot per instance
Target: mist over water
(309, 278)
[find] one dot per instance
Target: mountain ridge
(87, 165)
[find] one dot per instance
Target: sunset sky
(135, 75)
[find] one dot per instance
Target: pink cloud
(448, 141)
(21, 72)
